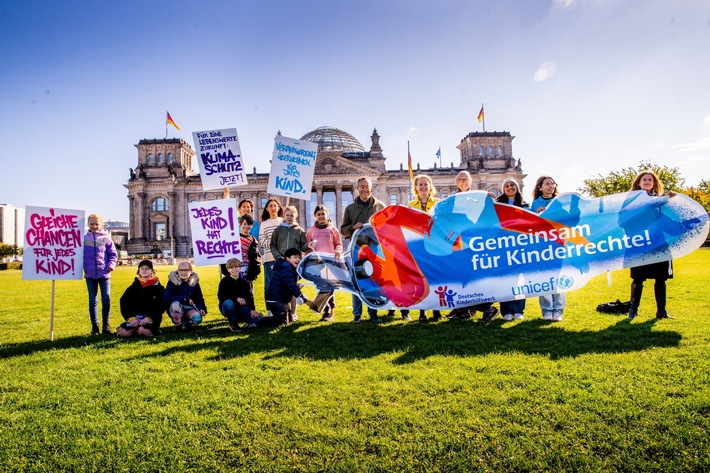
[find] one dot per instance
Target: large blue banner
(473, 250)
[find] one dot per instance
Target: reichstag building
(163, 182)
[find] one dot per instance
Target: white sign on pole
(54, 243)
(215, 232)
(292, 166)
(220, 158)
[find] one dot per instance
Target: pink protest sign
(54, 246)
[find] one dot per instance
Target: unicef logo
(565, 282)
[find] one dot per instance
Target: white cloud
(546, 70)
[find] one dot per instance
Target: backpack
(616, 307)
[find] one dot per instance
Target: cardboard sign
(292, 166)
(220, 158)
(215, 232)
(54, 243)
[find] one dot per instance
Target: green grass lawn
(594, 392)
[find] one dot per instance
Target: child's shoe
(107, 329)
(518, 316)
(95, 329)
(556, 316)
(508, 317)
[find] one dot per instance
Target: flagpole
(166, 124)
(409, 166)
(484, 118)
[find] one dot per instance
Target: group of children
(280, 245)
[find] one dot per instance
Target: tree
(621, 181)
(6, 250)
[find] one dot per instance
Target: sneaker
(489, 314)
(463, 314)
(437, 316)
(107, 329)
(95, 329)
(390, 313)
(406, 317)
(249, 326)
(508, 317)
(556, 316)
(422, 316)
(234, 328)
(518, 316)
(327, 318)
(547, 316)
(356, 319)
(375, 320)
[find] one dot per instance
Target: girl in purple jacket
(100, 259)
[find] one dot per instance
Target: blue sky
(585, 86)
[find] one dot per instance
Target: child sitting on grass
(236, 299)
(183, 297)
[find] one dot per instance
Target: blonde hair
(97, 217)
(432, 189)
(292, 209)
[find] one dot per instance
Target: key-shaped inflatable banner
(473, 250)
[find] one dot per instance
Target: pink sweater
(327, 239)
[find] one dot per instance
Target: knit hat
(510, 179)
(146, 262)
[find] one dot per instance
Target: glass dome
(333, 139)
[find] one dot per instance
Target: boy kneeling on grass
(283, 286)
(236, 300)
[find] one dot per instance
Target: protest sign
(292, 166)
(472, 250)
(53, 243)
(215, 231)
(219, 158)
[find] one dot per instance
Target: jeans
(234, 313)
(512, 307)
(93, 286)
(357, 308)
(553, 303)
(268, 272)
(182, 314)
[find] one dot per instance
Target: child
(236, 298)
(323, 237)
(271, 217)
(424, 200)
(142, 304)
(552, 305)
(511, 196)
(251, 262)
(288, 235)
(183, 297)
(284, 287)
(100, 259)
(246, 207)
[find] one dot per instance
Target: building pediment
(333, 165)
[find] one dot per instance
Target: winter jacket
(100, 255)
(359, 211)
(139, 300)
(184, 291)
(288, 236)
(284, 283)
(250, 258)
(231, 289)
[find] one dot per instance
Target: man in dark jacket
(356, 215)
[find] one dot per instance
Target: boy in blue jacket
(284, 286)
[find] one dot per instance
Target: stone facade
(163, 182)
